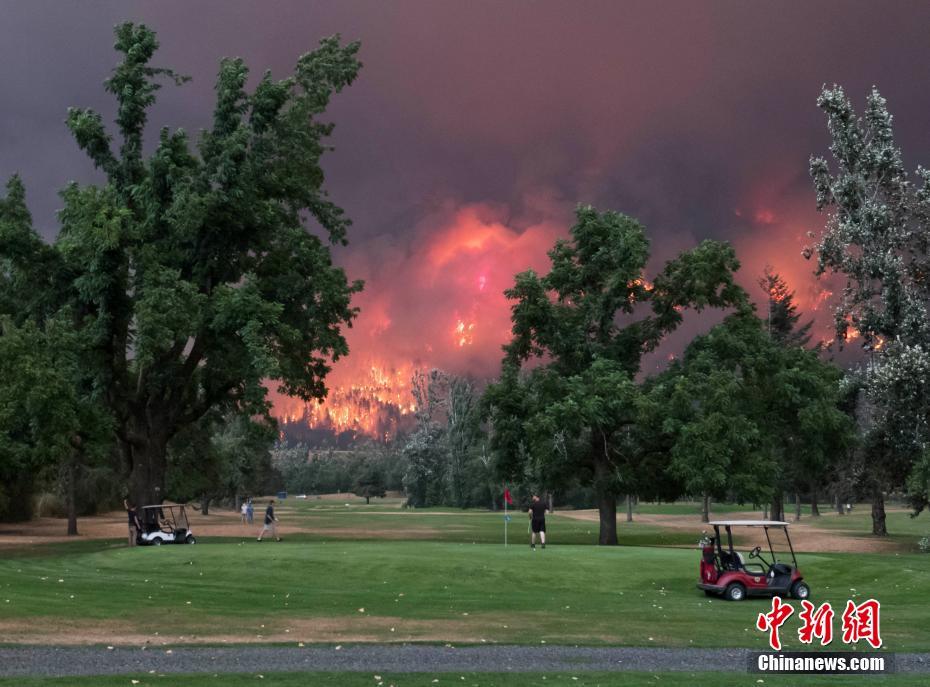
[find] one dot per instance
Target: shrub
(48, 505)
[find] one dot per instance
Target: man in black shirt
(537, 513)
(271, 523)
(134, 526)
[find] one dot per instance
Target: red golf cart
(724, 571)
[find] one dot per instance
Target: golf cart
(724, 572)
(165, 525)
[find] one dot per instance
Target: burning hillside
(439, 303)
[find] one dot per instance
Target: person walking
(537, 513)
(134, 525)
(244, 513)
(250, 511)
(271, 523)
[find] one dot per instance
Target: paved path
(67, 661)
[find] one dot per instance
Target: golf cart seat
(730, 561)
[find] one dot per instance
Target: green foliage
(221, 457)
(47, 412)
(748, 415)
(446, 461)
(370, 483)
(195, 273)
(580, 328)
(332, 472)
(782, 314)
(876, 235)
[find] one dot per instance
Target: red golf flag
(507, 496)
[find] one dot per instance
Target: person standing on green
(271, 523)
(537, 513)
(134, 526)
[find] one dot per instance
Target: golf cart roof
(749, 523)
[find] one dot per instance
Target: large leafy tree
(50, 410)
(48, 413)
(748, 416)
(877, 235)
(580, 331)
(194, 274)
(443, 452)
(221, 457)
(782, 323)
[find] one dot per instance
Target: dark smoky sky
(475, 128)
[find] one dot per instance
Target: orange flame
(374, 404)
(464, 333)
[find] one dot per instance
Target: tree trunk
(797, 506)
(147, 466)
(629, 508)
(367, 500)
(705, 508)
(205, 504)
(607, 508)
(69, 496)
(606, 499)
(878, 514)
(777, 510)
(815, 509)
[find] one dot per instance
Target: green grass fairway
(426, 591)
(360, 522)
(350, 518)
(560, 679)
(899, 522)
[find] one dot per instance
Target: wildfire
(464, 333)
(639, 281)
(821, 298)
(374, 404)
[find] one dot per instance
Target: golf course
(347, 574)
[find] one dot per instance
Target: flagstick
(505, 522)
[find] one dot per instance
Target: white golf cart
(165, 525)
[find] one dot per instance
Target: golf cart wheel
(734, 592)
(800, 590)
(156, 541)
(190, 539)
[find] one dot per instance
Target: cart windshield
(157, 519)
(770, 536)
